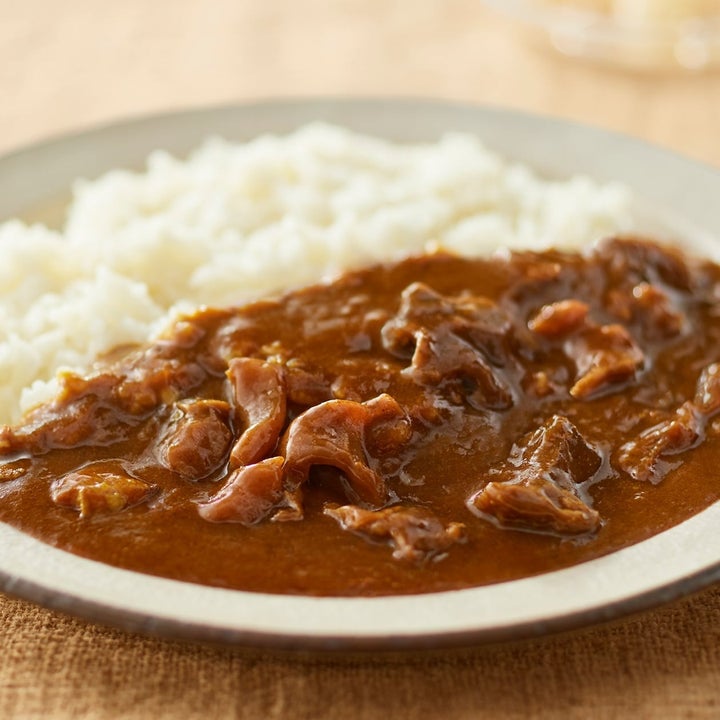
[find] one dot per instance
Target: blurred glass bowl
(641, 34)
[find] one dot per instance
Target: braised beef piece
(98, 490)
(606, 358)
(539, 275)
(648, 286)
(707, 393)
(537, 487)
(414, 533)
(306, 386)
(103, 408)
(476, 319)
(14, 469)
(651, 455)
(343, 434)
(83, 421)
(650, 308)
(461, 338)
(560, 318)
(445, 358)
(633, 260)
(648, 456)
(196, 439)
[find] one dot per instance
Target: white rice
(237, 221)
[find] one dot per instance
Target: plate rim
(167, 628)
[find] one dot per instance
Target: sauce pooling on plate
(435, 424)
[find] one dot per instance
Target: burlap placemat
(67, 65)
(663, 664)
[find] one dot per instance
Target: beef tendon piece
(98, 491)
(415, 534)
(559, 318)
(337, 433)
(606, 358)
(537, 486)
(197, 438)
(260, 398)
(249, 495)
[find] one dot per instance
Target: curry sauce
(434, 424)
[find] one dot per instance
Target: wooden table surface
(69, 65)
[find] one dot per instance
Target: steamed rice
(238, 221)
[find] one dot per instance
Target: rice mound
(239, 221)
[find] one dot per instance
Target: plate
(676, 197)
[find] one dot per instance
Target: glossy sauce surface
(461, 428)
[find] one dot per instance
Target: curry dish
(435, 424)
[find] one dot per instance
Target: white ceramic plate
(677, 196)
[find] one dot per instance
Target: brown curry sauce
(431, 425)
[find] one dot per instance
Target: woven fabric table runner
(70, 65)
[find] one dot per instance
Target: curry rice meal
(425, 423)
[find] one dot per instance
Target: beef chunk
(102, 409)
(444, 358)
(537, 276)
(306, 386)
(655, 312)
(458, 339)
(260, 403)
(68, 422)
(13, 470)
(558, 450)
(560, 318)
(606, 357)
(414, 533)
(707, 394)
(479, 320)
(197, 438)
(336, 433)
(539, 384)
(145, 380)
(650, 308)
(249, 495)
(631, 259)
(551, 509)
(646, 457)
(536, 487)
(96, 490)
